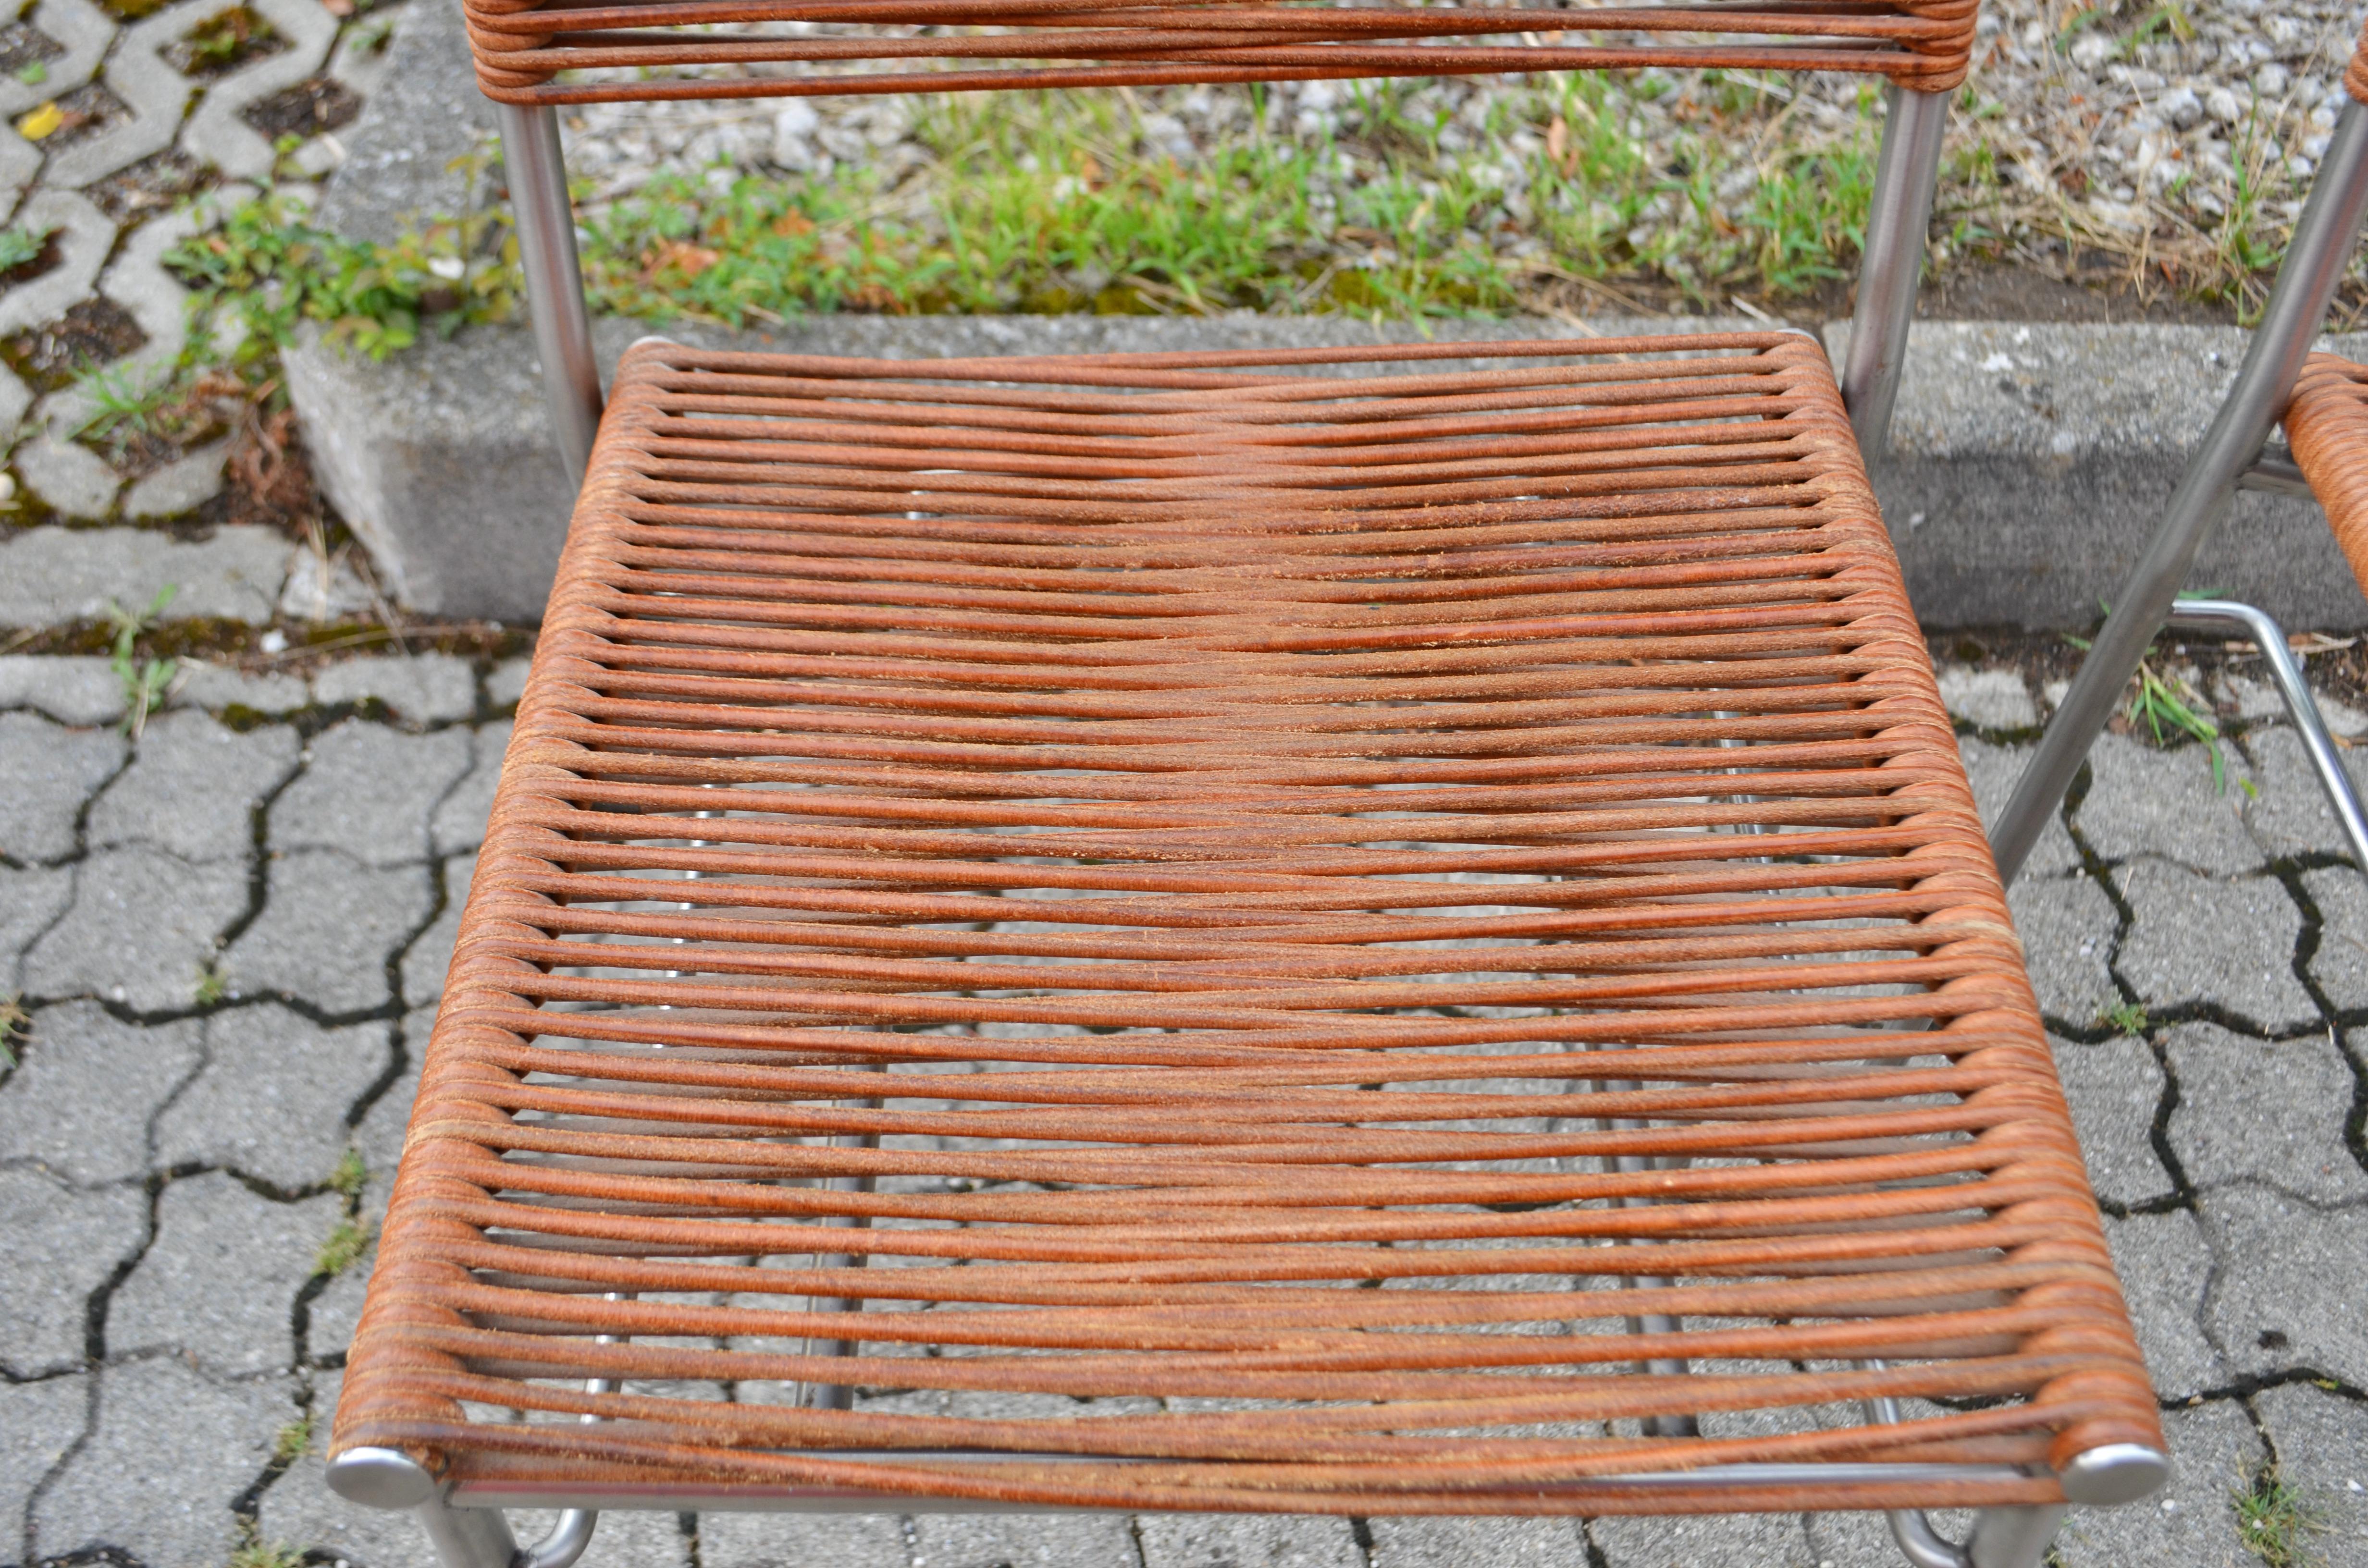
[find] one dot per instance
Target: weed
(350, 1174)
(212, 985)
(2273, 1517)
(33, 74)
(13, 1017)
(346, 1243)
(266, 1554)
(19, 244)
(144, 683)
(2160, 702)
(2126, 1018)
(120, 401)
(294, 1440)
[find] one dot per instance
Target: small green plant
(2273, 1517)
(120, 399)
(2124, 1018)
(144, 682)
(13, 1017)
(266, 1554)
(294, 1439)
(213, 984)
(19, 244)
(350, 1174)
(346, 1243)
(2160, 702)
(33, 74)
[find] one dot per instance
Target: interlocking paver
(140, 930)
(2067, 925)
(2339, 967)
(84, 236)
(368, 790)
(1992, 771)
(71, 690)
(2164, 1263)
(2196, 939)
(1778, 1540)
(193, 785)
(219, 1282)
(47, 772)
(62, 1244)
(1240, 1540)
(2142, 801)
(51, 575)
(30, 902)
(507, 683)
(1989, 699)
(2292, 817)
(1477, 1543)
(427, 959)
(989, 1540)
(2192, 1522)
(215, 133)
(170, 1452)
(38, 1422)
(2114, 1087)
(216, 686)
(424, 688)
(2285, 1293)
(89, 1086)
(772, 1540)
(328, 926)
(460, 821)
(272, 1099)
(2322, 1447)
(2257, 1110)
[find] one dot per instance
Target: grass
(346, 1243)
(2274, 1518)
(13, 1018)
(144, 681)
(19, 244)
(266, 1554)
(213, 984)
(294, 1440)
(350, 1174)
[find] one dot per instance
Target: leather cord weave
(1246, 913)
(876, 46)
(2327, 425)
(2355, 75)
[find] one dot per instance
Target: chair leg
(463, 1537)
(2013, 1538)
(1900, 216)
(554, 278)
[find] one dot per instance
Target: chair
(1291, 931)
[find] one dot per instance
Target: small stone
(38, 1422)
(46, 775)
(2285, 1294)
(2322, 1444)
(1989, 699)
(794, 124)
(459, 820)
(73, 691)
(2114, 1088)
(140, 930)
(2164, 1264)
(424, 688)
(62, 1245)
(272, 1100)
(328, 927)
(368, 791)
(2165, 803)
(2224, 106)
(2213, 1447)
(2230, 944)
(2181, 107)
(86, 1087)
(193, 788)
(2067, 925)
(219, 1281)
(2261, 1111)
(169, 1455)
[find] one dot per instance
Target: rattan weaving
(871, 46)
(2327, 425)
(1249, 912)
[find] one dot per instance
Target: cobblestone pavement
(231, 933)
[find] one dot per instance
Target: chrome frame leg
(555, 279)
(2223, 615)
(463, 1537)
(2306, 287)
(1899, 219)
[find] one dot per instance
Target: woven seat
(2327, 425)
(1333, 932)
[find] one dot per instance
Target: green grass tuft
(2274, 1518)
(350, 1174)
(346, 1243)
(2126, 1017)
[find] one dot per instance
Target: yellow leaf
(40, 122)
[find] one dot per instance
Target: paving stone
(424, 688)
(193, 786)
(87, 1088)
(58, 1245)
(72, 479)
(1477, 1543)
(1023, 1540)
(1243, 1540)
(1992, 771)
(794, 1540)
(170, 1452)
(634, 1540)
(142, 926)
(2067, 925)
(2146, 801)
(2292, 817)
(218, 687)
(2254, 1110)
(2114, 1087)
(332, 1317)
(1765, 1540)
(157, 94)
(85, 30)
(2321, 1441)
(378, 1138)
(2231, 944)
(220, 1279)
(180, 486)
(369, 790)
(2192, 1522)
(460, 822)
(2341, 965)
(50, 576)
(38, 1422)
(2285, 1292)
(30, 902)
(137, 281)
(429, 957)
(84, 236)
(215, 133)
(69, 690)
(1989, 699)
(2165, 1266)
(507, 684)
(328, 926)
(272, 1099)
(45, 773)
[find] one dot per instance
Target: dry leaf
(681, 256)
(42, 122)
(790, 225)
(1557, 139)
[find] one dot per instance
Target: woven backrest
(639, 51)
(2355, 79)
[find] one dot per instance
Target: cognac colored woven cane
(2327, 425)
(1243, 914)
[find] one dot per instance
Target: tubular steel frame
(465, 1521)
